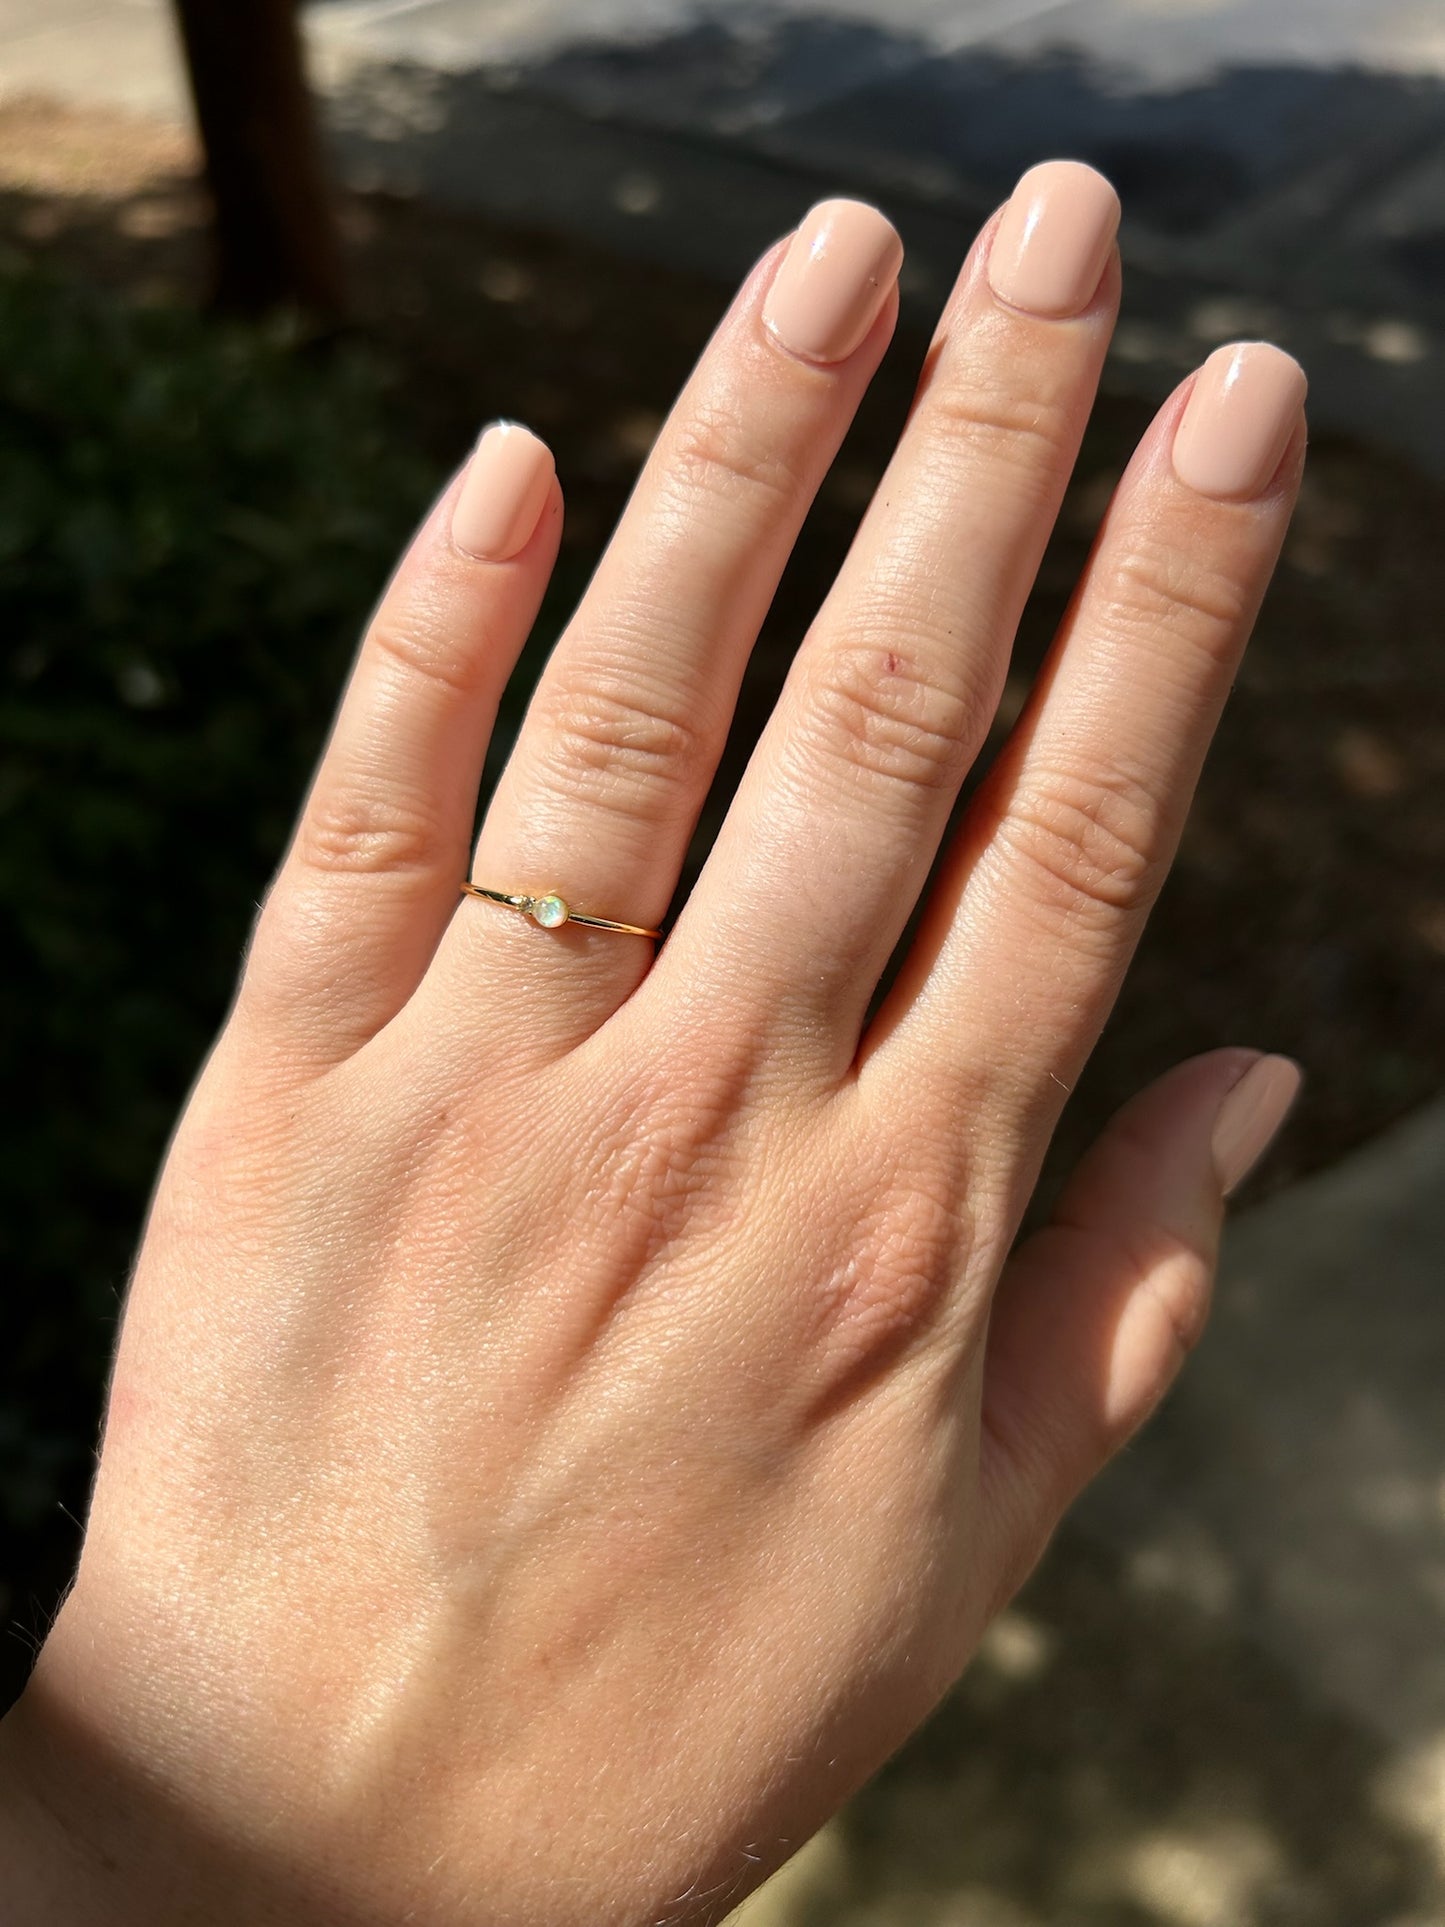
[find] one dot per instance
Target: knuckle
(423, 643)
(616, 750)
(884, 713)
(1172, 1263)
(1165, 586)
(1087, 844)
(1169, 1272)
(368, 832)
(904, 1250)
(716, 452)
(1179, 1287)
(1002, 425)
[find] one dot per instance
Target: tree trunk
(276, 244)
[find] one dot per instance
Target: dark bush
(193, 524)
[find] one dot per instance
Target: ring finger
(624, 732)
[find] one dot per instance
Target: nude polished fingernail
(1053, 243)
(503, 494)
(1238, 420)
(1250, 1117)
(833, 280)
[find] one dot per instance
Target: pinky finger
(371, 876)
(1096, 1312)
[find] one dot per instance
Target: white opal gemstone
(549, 911)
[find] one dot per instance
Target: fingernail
(1053, 243)
(1251, 1115)
(505, 490)
(833, 280)
(1238, 419)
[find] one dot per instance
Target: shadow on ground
(1320, 180)
(1117, 1758)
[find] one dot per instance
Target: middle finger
(839, 815)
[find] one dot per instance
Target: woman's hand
(576, 1409)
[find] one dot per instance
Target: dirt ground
(1307, 910)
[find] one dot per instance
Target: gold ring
(551, 911)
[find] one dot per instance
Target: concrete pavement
(1283, 161)
(1221, 1702)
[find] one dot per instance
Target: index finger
(1042, 899)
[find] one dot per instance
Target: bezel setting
(548, 910)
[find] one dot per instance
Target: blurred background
(262, 278)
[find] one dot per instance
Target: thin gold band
(552, 911)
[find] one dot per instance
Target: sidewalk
(1282, 161)
(1221, 1701)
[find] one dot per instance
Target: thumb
(1096, 1312)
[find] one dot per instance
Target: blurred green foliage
(194, 521)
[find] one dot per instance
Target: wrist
(85, 1839)
(44, 1878)
(97, 1830)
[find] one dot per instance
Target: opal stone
(549, 911)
